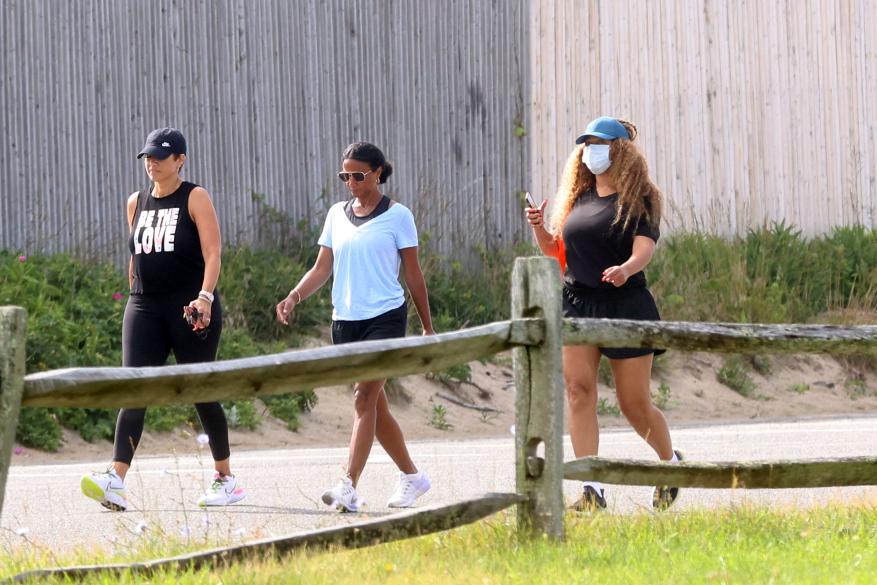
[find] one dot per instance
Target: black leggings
(153, 326)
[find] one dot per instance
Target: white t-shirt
(366, 261)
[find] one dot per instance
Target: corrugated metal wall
(750, 111)
(268, 93)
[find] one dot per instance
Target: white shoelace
(406, 486)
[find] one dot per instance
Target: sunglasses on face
(357, 176)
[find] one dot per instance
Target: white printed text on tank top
(155, 231)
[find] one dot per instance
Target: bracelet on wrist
(294, 293)
(206, 295)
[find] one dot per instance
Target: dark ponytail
(371, 155)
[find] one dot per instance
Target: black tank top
(164, 244)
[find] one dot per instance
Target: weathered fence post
(13, 321)
(539, 401)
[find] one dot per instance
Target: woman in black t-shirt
(605, 226)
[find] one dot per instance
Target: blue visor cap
(606, 128)
(162, 143)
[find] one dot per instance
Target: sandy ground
(695, 396)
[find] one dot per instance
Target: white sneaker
(343, 496)
(409, 487)
(106, 488)
(224, 490)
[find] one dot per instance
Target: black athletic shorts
(632, 303)
(389, 325)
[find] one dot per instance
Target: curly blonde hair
(638, 197)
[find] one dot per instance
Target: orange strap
(561, 254)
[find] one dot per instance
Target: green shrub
(439, 418)
(92, 423)
(662, 397)
(456, 374)
(163, 419)
(288, 407)
(38, 428)
(242, 414)
(604, 373)
(773, 275)
(761, 363)
(608, 408)
(465, 295)
(856, 387)
(735, 375)
(800, 388)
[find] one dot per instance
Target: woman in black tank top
(175, 260)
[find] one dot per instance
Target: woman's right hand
(285, 309)
(536, 215)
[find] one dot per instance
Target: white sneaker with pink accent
(225, 490)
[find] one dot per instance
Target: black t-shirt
(593, 244)
(164, 244)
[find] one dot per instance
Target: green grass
(735, 375)
(605, 407)
(773, 275)
(662, 397)
(438, 418)
(833, 544)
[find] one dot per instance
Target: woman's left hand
(615, 275)
(203, 307)
(429, 331)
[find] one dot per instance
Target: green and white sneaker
(105, 488)
(224, 490)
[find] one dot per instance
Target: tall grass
(834, 544)
(773, 275)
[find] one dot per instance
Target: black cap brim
(156, 151)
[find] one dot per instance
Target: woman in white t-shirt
(364, 241)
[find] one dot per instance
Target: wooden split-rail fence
(535, 334)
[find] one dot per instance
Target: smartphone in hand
(530, 203)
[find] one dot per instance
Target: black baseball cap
(163, 142)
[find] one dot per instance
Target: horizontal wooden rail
(325, 366)
(802, 473)
(721, 337)
(277, 373)
(395, 527)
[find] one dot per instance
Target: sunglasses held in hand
(192, 318)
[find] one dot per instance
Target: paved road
(44, 508)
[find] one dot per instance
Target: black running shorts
(633, 303)
(388, 325)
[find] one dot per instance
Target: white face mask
(596, 157)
